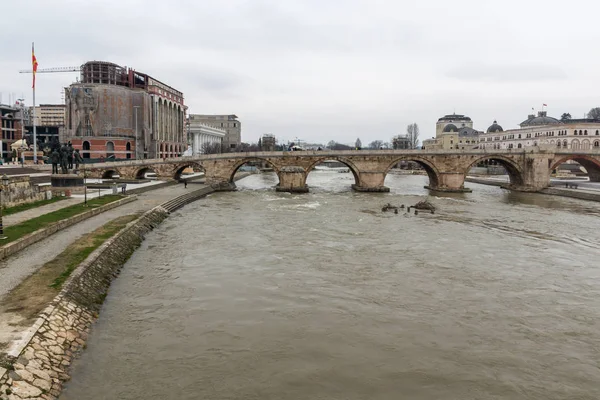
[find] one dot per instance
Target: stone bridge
(529, 169)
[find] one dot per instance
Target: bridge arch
(141, 173)
(246, 160)
(179, 168)
(515, 174)
(590, 163)
(432, 171)
(351, 166)
(110, 173)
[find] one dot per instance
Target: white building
(575, 134)
(229, 123)
(203, 136)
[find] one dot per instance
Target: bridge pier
(292, 179)
(450, 182)
(371, 182)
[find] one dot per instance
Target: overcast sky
(323, 70)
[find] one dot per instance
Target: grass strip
(34, 293)
(17, 231)
(28, 206)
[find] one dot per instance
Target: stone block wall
(37, 366)
(21, 190)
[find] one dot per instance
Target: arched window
(128, 148)
(585, 133)
(597, 132)
(86, 149)
(565, 144)
(558, 143)
(597, 144)
(575, 144)
(519, 146)
(110, 149)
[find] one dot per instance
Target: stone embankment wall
(37, 366)
(21, 190)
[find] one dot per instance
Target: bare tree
(412, 131)
(358, 144)
(594, 113)
(211, 148)
(376, 144)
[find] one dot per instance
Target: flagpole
(34, 131)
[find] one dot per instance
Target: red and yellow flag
(34, 65)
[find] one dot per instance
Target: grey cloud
(507, 73)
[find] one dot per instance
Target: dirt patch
(22, 305)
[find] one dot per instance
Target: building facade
(48, 115)
(204, 138)
(453, 132)
(542, 130)
(401, 142)
(115, 112)
(231, 125)
(10, 126)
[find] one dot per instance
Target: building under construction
(117, 112)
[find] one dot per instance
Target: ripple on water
(262, 295)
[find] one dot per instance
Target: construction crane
(46, 70)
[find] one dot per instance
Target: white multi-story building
(203, 136)
(575, 134)
(48, 114)
(229, 123)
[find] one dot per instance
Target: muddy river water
(262, 295)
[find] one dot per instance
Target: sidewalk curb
(27, 240)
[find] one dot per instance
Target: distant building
(48, 115)
(204, 137)
(116, 112)
(453, 132)
(231, 125)
(268, 142)
(542, 130)
(401, 142)
(11, 128)
(452, 121)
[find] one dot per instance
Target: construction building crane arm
(55, 69)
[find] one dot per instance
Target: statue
(70, 156)
(64, 153)
(55, 159)
(77, 158)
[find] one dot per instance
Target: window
(234, 125)
(596, 144)
(585, 133)
(596, 132)
(519, 146)
(519, 136)
(232, 146)
(221, 124)
(110, 149)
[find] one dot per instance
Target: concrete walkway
(17, 267)
(19, 217)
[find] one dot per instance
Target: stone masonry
(37, 366)
(529, 170)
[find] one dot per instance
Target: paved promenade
(22, 264)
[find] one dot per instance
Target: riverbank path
(17, 267)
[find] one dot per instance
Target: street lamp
(5, 183)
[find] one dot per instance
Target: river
(262, 295)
